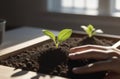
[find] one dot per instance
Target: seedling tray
(17, 49)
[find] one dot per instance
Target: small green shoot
(90, 30)
(62, 36)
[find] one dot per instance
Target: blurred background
(59, 14)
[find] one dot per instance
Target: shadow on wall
(23, 12)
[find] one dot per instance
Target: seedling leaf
(99, 31)
(50, 34)
(90, 30)
(64, 34)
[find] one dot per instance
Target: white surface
(12, 73)
(23, 45)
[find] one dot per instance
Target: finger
(112, 76)
(113, 53)
(86, 47)
(89, 54)
(95, 67)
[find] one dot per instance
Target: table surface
(19, 35)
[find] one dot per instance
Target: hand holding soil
(107, 60)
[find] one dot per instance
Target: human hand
(109, 60)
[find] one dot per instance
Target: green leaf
(88, 32)
(91, 28)
(50, 34)
(64, 35)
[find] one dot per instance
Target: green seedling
(90, 30)
(62, 36)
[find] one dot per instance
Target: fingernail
(71, 54)
(75, 70)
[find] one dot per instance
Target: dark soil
(49, 60)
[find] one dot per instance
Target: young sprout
(62, 36)
(90, 30)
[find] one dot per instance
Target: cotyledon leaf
(50, 34)
(64, 34)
